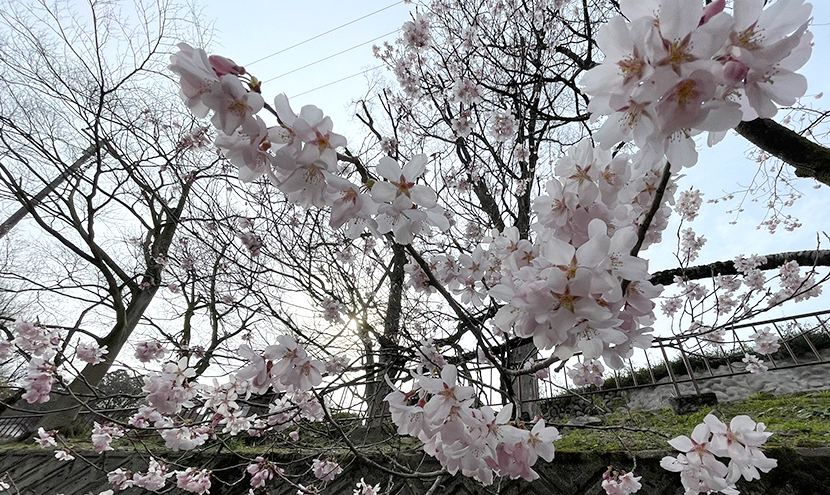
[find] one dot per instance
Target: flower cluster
(618, 482)
(262, 471)
(299, 154)
(102, 436)
(326, 469)
(740, 441)
(765, 341)
(474, 441)
(675, 68)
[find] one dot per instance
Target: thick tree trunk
(65, 408)
(388, 355)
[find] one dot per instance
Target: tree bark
(388, 354)
(803, 258)
(808, 158)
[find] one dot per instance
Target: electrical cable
(331, 56)
(337, 81)
(327, 32)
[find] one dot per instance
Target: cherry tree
(514, 177)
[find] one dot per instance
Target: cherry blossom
(120, 479)
(262, 471)
(194, 480)
(364, 488)
(90, 352)
(672, 69)
(155, 478)
(616, 482)
(45, 438)
(416, 34)
(63, 455)
(765, 341)
(326, 469)
(196, 77)
(149, 351)
(38, 381)
(754, 364)
(102, 436)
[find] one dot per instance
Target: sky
(249, 30)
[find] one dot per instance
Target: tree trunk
(376, 387)
(65, 408)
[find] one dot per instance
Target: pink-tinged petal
(716, 425)
(671, 464)
(415, 168)
(383, 192)
(722, 116)
(712, 10)
(449, 374)
(746, 12)
(678, 18)
(283, 108)
(312, 115)
(423, 196)
(634, 9)
(614, 39)
(505, 415)
(740, 423)
(681, 152)
(701, 433)
(682, 443)
(389, 169)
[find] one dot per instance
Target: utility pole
(17, 216)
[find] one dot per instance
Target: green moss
(799, 420)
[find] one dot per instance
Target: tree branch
(808, 158)
(803, 258)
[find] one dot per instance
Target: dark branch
(803, 258)
(808, 158)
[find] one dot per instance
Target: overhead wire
(339, 80)
(331, 56)
(325, 33)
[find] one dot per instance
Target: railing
(683, 363)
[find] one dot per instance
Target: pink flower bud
(223, 66)
(734, 72)
(709, 11)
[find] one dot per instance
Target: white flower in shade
(754, 364)
(326, 470)
(63, 455)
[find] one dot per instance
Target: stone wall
(800, 472)
(726, 385)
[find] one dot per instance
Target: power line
(332, 56)
(327, 32)
(337, 81)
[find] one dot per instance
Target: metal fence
(683, 363)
